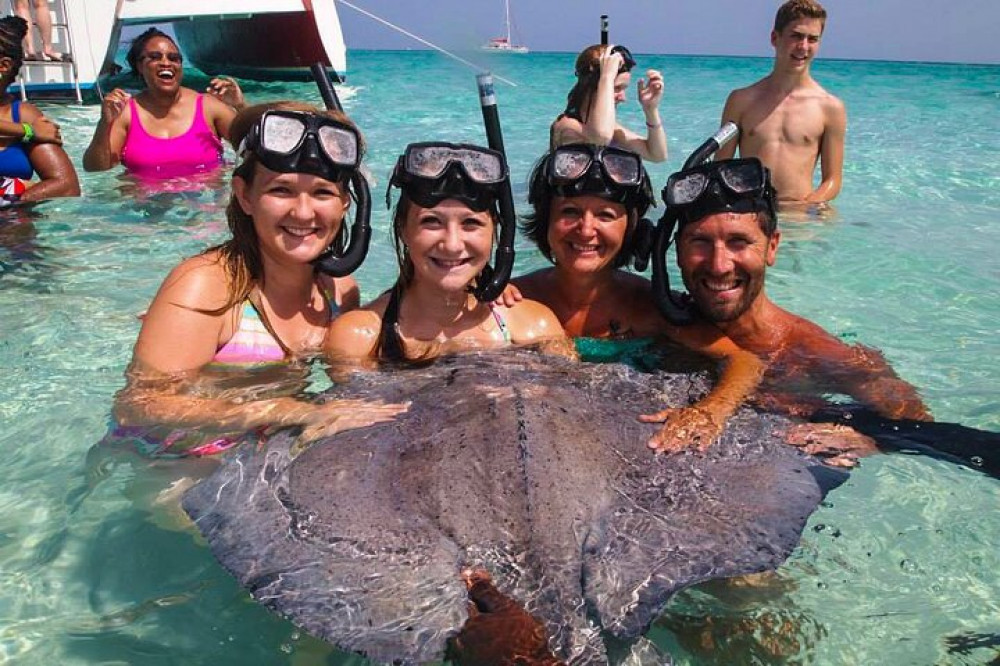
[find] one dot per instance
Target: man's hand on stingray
(837, 445)
(683, 428)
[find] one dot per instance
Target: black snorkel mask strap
(678, 308)
(335, 262)
(494, 279)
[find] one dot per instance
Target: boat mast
(506, 5)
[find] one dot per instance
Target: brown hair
(588, 72)
(240, 255)
(793, 10)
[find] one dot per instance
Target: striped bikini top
(255, 342)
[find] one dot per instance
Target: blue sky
(924, 30)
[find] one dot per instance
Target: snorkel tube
(335, 262)
(677, 308)
(604, 29)
(491, 281)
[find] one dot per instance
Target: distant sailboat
(504, 43)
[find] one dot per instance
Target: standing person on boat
(603, 74)
(43, 19)
(787, 119)
(444, 228)
(23, 150)
(257, 301)
(166, 130)
(588, 202)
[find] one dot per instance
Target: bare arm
(45, 131)
(831, 154)
(178, 338)
(219, 116)
(652, 147)
(730, 114)
(704, 421)
(58, 177)
(105, 147)
(868, 378)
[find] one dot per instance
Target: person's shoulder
(535, 284)
(354, 334)
(198, 282)
(214, 105)
(530, 320)
(30, 112)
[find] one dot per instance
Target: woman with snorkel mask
(444, 226)
(264, 299)
(588, 206)
(603, 74)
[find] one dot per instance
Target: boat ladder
(63, 74)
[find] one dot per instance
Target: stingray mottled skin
(533, 468)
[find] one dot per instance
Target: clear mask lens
(687, 189)
(340, 145)
(742, 178)
(623, 169)
(281, 134)
(432, 162)
(570, 164)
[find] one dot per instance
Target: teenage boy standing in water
(787, 119)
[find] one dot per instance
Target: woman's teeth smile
(449, 264)
(299, 232)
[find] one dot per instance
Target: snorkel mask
(429, 173)
(728, 186)
(617, 175)
(298, 142)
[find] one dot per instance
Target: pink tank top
(195, 151)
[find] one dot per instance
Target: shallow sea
(900, 566)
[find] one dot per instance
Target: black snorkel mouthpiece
(678, 308)
(338, 260)
(494, 278)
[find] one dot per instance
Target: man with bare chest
(787, 119)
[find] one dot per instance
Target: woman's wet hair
(12, 32)
(241, 254)
(535, 225)
(139, 43)
(588, 72)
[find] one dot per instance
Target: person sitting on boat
(23, 150)
(262, 300)
(603, 73)
(444, 225)
(166, 130)
(588, 202)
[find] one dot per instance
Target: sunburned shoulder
(353, 335)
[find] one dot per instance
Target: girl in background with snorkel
(603, 74)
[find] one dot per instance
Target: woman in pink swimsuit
(258, 300)
(166, 130)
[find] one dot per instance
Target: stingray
(531, 467)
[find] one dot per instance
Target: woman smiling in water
(588, 206)
(166, 130)
(444, 229)
(258, 299)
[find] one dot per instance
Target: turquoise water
(901, 558)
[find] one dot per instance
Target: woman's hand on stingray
(510, 297)
(683, 428)
(837, 445)
(335, 416)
